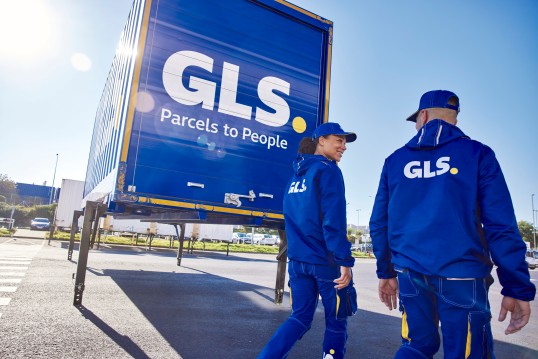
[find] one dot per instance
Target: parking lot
(140, 304)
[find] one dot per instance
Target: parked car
(257, 238)
(248, 238)
(531, 259)
(42, 224)
(238, 237)
(268, 240)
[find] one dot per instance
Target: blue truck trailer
(202, 113)
(204, 107)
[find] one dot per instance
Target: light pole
(533, 223)
(53, 178)
(358, 218)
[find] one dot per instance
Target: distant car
(42, 224)
(239, 237)
(268, 240)
(248, 238)
(531, 260)
(257, 238)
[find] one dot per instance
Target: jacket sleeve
(333, 210)
(502, 235)
(379, 229)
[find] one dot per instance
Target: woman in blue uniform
(319, 253)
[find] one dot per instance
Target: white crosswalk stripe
(15, 259)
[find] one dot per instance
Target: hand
(388, 292)
(345, 278)
(520, 313)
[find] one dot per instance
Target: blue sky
(385, 55)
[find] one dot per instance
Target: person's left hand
(388, 292)
(520, 312)
(345, 278)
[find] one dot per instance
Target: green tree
(7, 186)
(525, 229)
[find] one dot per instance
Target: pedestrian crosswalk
(15, 258)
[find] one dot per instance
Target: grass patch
(164, 243)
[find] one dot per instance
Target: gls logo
(204, 91)
(416, 169)
(294, 187)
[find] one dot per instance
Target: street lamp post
(533, 223)
(53, 178)
(358, 218)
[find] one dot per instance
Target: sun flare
(32, 30)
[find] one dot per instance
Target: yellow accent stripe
(136, 79)
(337, 302)
(329, 51)
(468, 346)
(164, 202)
(291, 299)
(405, 327)
(303, 11)
(328, 79)
(118, 113)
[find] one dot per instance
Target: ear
(425, 117)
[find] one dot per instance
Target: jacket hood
(303, 162)
(435, 133)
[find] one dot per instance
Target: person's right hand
(520, 314)
(344, 279)
(388, 292)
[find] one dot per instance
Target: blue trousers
(460, 305)
(307, 282)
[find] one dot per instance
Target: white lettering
(442, 165)
(413, 172)
(416, 169)
(204, 91)
(282, 110)
(427, 172)
(228, 93)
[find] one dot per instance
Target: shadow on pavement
(208, 316)
(123, 341)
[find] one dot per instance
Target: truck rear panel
(205, 105)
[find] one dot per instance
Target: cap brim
(413, 117)
(350, 137)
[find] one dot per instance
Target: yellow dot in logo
(299, 124)
(454, 170)
(331, 351)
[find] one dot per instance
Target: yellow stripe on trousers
(405, 327)
(468, 346)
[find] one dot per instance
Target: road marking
(17, 255)
(14, 274)
(15, 262)
(8, 289)
(10, 280)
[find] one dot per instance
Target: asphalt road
(139, 304)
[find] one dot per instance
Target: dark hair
(307, 146)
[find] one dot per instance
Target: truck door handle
(233, 198)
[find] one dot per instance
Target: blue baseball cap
(332, 128)
(436, 99)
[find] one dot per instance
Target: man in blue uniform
(319, 253)
(441, 218)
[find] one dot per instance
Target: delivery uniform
(442, 216)
(315, 217)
